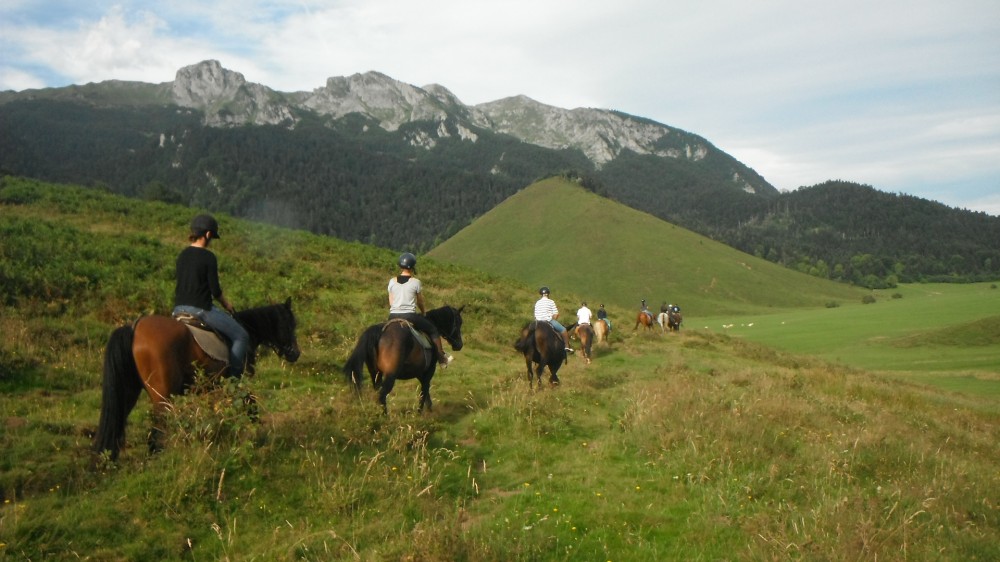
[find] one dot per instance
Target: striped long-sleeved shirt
(545, 309)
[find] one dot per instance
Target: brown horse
(540, 344)
(645, 319)
(601, 330)
(160, 354)
(585, 332)
(390, 352)
(674, 320)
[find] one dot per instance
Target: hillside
(695, 446)
(558, 234)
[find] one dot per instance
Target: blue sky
(903, 95)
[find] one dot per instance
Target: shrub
(868, 299)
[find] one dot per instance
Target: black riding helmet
(543, 291)
(408, 261)
(205, 223)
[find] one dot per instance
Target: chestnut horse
(540, 344)
(390, 352)
(584, 333)
(645, 319)
(601, 330)
(160, 354)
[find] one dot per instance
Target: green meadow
(946, 334)
(767, 442)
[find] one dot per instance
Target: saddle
(210, 341)
(421, 337)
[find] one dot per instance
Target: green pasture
(947, 334)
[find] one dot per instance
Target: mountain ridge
(228, 99)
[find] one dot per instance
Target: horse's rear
(586, 334)
(674, 320)
(157, 353)
(390, 352)
(600, 330)
(644, 319)
(544, 347)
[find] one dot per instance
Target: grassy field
(945, 334)
(702, 445)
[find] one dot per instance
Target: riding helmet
(543, 291)
(408, 261)
(205, 223)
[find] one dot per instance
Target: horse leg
(384, 389)
(553, 378)
(425, 393)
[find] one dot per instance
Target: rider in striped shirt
(546, 311)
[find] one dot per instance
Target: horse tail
(120, 390)
(366, 347)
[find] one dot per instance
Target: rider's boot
(565, 336)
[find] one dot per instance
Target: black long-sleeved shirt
(197, 278)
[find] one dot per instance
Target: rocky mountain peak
(205, 84)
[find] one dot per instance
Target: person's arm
(225, 304)
(420, 302)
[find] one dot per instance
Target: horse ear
(461, 308)
(288, 303)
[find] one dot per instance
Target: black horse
(390, 351)
(159, 354)
(541, 345)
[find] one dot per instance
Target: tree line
(351, 179)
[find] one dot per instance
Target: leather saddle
(210, 341)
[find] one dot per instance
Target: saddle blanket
(211, 342)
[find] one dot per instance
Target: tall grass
(689, 446)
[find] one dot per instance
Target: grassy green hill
(558, 234)
(691, 446)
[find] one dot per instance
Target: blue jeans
(229, 327)
(555, 325)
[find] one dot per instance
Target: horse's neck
(437, 317)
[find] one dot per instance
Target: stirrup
(446, 360)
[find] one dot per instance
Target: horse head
(273, 326)
(287, 346)
(448, 321)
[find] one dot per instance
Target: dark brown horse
(390, 352)
(645, 319)
(541, 345)
(674, 320)
(160, 354)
